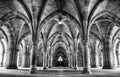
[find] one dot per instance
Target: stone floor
(59, 72)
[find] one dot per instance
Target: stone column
(26, 58)
(75, 54)
(75, 61)
(102, 58)
(23, 60)
(23, 56)
(96, 60)
(33, 64)
(107, 59)
(118, 55)
(44, 59)
(69, 60)
(2, 54)
(49, 59)
(33, 61)
(12, 54)
(96, 54)
(92, 55)
(12, 58)
(19, 59)
(71, 57)
(2, 57)
(86, 57)
(71, 66)
(114, 55)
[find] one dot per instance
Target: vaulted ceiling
(58, 20)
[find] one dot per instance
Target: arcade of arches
(60, 33)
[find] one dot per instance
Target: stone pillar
(97, 60)
(75, 61)
(86, 69)
(44, 59)
(2, 57)
(71, 65)
(23, 60)
(115, 60)
(49, 60)
(68, 59)
(12, 58)
(118, 59)
(96, 55)
(107, 59)
(2, 54)
(5, 57)
(118, 56)
(33, 61)
(92, 56)
(75, 48)
(18, 59)
(26, 58)
(115, 56)
(101, 58)
(33, 64)
(71, 57)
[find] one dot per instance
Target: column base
(44, 68)
(86, 71)
(25, 66)
(107, 67)
(75, 68)
(1, 65)
(95, 66)
(33, 70)
(49, 67)
(71, 67)
(114, 67)
(11, 67)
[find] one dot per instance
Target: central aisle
(59, 72)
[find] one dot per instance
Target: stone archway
(2, 53)
(60, 58)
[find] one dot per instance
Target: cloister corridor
(59, 38)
